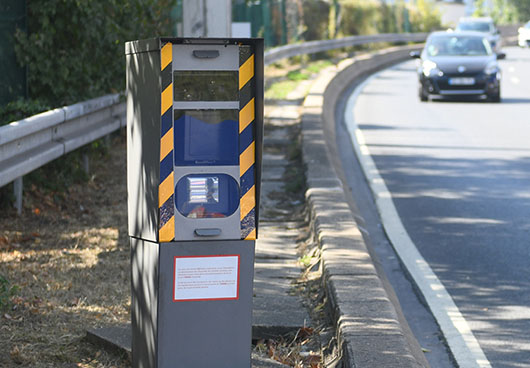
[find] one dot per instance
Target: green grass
(7, 291)
(280, 89)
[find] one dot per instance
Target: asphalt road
(459, 177)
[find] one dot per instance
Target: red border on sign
(207, 256)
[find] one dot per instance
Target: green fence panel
(12, 76)
(268, 19)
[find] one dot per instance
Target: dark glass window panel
(207, 196)
(206, 137)
(206, 85)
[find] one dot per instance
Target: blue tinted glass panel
(206, 137)
(207, 196)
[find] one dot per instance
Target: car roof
(457, 33)
(476, 19)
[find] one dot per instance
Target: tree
(523, 9)
(74, 50)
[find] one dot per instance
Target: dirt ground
(68, 258)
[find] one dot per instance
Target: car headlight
(430, 69)
(491, 68)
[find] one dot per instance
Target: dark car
(459, 64)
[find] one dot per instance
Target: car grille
(480, 82)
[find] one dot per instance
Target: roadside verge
(370, 327)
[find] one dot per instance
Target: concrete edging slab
(368, 326)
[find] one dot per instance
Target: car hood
(472, 64)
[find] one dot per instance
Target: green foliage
(74, 49)
(64, 172)
(521, 10)
(316, 66)
(316, 19)
(361, 17)
(425, 17)
(480, 8)
(19, 109)
(7, 291)
(7, 196)
(279, 90)
(504, 12)
(298, 75)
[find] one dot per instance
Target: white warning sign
(206, 278)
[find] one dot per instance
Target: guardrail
(28, 144)
(313, 47)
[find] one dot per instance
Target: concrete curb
(368, 327)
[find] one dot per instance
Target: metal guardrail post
(18, 185)
(86, 163)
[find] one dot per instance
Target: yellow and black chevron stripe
(166, 231)
(247, 145)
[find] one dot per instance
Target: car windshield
(452, 45)
(474, 26)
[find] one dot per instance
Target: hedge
(74, 49)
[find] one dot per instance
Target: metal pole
(193, 22)
(18, 186)
(86, 163)
(284, 22)
(207, 18)
(266, 16)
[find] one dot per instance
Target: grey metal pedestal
(189, 334)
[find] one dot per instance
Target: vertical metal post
(207, 18)
(267, 27)
(193, 22)
(86, 162)
(18, 186)
(284, 22)
(218, 18)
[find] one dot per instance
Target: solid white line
(460, 339)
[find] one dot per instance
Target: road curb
(368, 327)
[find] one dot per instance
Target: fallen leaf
(16, 355)
(4, 240)
(305, 332)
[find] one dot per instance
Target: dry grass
(68, 255)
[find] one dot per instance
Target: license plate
(462, 81)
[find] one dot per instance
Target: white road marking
(460, 339)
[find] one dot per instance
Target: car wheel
(424, 96)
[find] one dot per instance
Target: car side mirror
(415, 54)
(501, 56)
